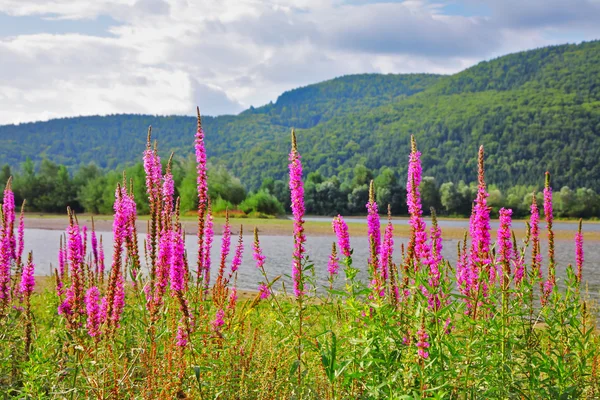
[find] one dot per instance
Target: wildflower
(333, 263)
(297, 198)
(182, 336)
(480, 223)
(178, 270)
(264, 291)
(422, 343)
(340, 228)
(387, 248)
(202, 189)
(27, 279)
(152, 168)
(20, 235)
(505, 248)
(417, 246)
(374, 227)
(579, 252)
(237, 257)
(536, 257)
(433, 261)
(218, 322)
(208, 239)
(95, 318)
(257, 252)
(551, 281)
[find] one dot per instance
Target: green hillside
(533, 111)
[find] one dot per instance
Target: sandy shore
(270, 227)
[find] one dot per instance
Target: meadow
(494, 325)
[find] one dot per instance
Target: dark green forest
(534, 111)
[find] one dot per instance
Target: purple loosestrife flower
(4, 272)
(118, 302)
(201, 163)
(83, 242)
(417, 246)
(257, 252)
(202, 189)
(297, 198)
(258, 256)
(387, 249)
(94, 243)
(333, 264)
(95, 318)
(75, 292)
(27, 279)
(101, 260)
(153, 169)
(218, 322)
(8, 213)
(422, 343)
(579, 252)
(178, 270)
(208, 240)
(21, 235)
(340, 228)
(504, 242)
(62, 256)
(264, 291)
(551, 282)
(225, 242)
(239, 250)
(534, 222)
(434, 260)
(182, 335)
(115, 293)
(168, 189)
(479, 256)
(374, 228)
(163, 267)
(232, 298)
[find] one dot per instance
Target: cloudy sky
(81, 57)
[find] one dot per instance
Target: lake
(278, 250)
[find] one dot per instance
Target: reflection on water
(464, 223)
(278, 250)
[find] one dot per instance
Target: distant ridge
(533, 111)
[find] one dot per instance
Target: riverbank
(283, 226)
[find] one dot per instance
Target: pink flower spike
(257, 252)
(218, 322)
(177, 262)
(20, 235)
(333, 265)
(95, 319)
(579, 252)
(340, 228)
(374, 227)
(237, 257)
(27, 279)
(182, 336)
(297, 198)
(422, 343)
(264, 291)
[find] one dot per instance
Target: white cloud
(166, 56)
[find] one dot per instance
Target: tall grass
(494, 325)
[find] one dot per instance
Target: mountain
(533, 111)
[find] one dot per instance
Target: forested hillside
(533, 111)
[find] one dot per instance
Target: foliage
(535, 111)
(412, 332)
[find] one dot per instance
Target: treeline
(50, 188)
(533, 111)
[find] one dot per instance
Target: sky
(61, 58)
